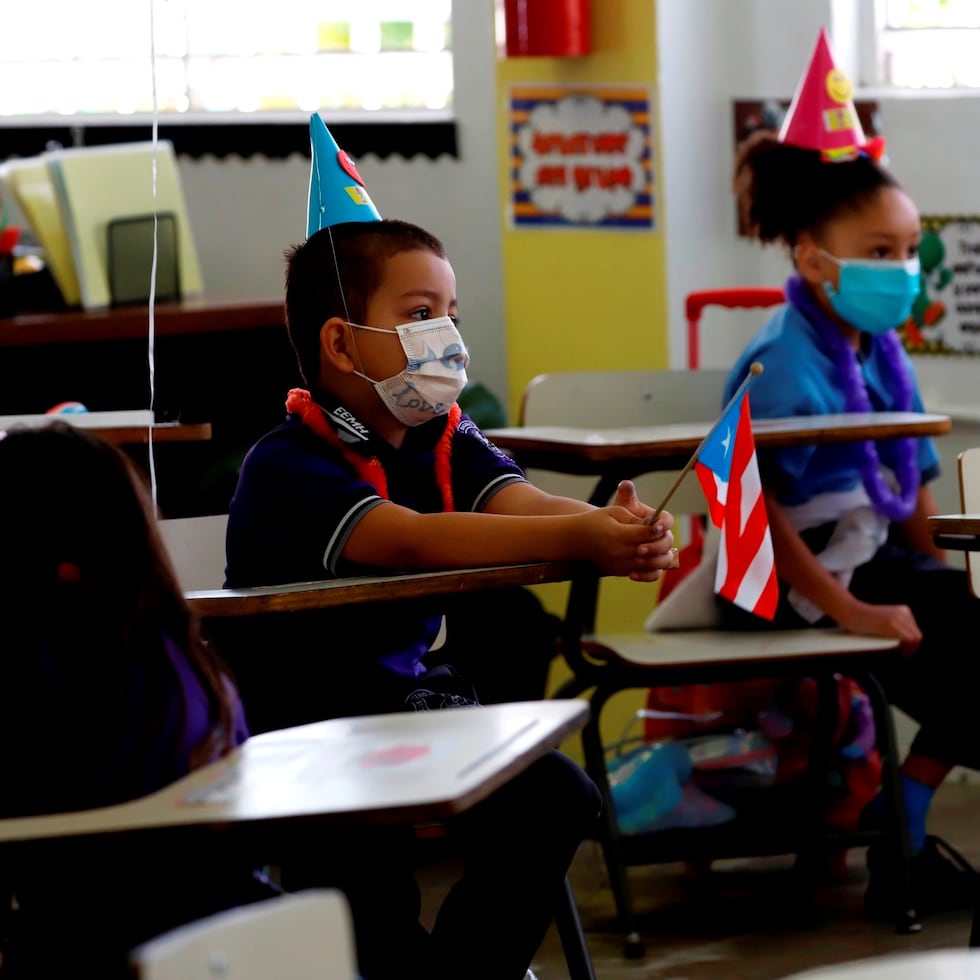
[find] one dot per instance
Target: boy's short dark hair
(335, 272)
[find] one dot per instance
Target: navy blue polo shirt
(298, 500)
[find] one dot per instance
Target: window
(929, 43)
(217, 58)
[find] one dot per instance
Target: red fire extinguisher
(549, 28)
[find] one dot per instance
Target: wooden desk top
(347, 591)
(601, 444)
(955, 524)
(188, 316)
(582, 450)
(162, 432)
(122, 428)
(956, 532)
(396, 768)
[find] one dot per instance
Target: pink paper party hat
(822, 115)
(337, 192)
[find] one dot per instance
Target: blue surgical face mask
(874, 295)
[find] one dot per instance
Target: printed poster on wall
(581, 157)
(946, 314)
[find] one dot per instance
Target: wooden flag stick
(754, 371)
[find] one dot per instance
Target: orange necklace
(369, 468)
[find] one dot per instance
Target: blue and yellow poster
(581, 157)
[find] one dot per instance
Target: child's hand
(626, 497)
(894, 621)
(620, 543)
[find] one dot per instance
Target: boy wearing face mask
(377, 468)
(848, 522)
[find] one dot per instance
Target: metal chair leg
(595, 764)
(897, 830)
(573, 943)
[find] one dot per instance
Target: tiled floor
(750, 928)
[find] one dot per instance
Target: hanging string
(151, 325)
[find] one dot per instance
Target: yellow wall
(587, 299)
(577, 299)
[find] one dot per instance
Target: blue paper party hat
(337, 193)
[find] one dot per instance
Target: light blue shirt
(799, 378)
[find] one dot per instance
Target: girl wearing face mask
(849, 521)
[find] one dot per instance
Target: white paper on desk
(97, 184)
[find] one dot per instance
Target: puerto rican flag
(729, 474)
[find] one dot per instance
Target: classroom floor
(750, 929)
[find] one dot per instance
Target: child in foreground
(108, 693)
(377, 468)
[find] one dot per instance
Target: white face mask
(434, 376)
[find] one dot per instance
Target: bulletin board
(581, 157)
(946, 314)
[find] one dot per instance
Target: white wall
(732, 46)
(246, 212)
(933, 146)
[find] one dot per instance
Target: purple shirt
(80, 733)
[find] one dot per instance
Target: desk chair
(292, 694)
(733, 297)
(935, 964)
(609, 664)
(304, 936)
(968, 464)
(197, 549)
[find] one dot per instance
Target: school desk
(334, 593)
(331, 593)
(961, 532)
(934, 964)
(958, 532)
(223, 363)
(608, 665)
(614, 454)
(402, 768)
(407, 767)
(121, 428)
(621, 453)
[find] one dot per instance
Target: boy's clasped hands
(624, 544)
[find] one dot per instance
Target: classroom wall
(932, 140)
(580, 298)
(705, 52)
(245, 212)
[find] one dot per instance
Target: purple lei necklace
(894, 506)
